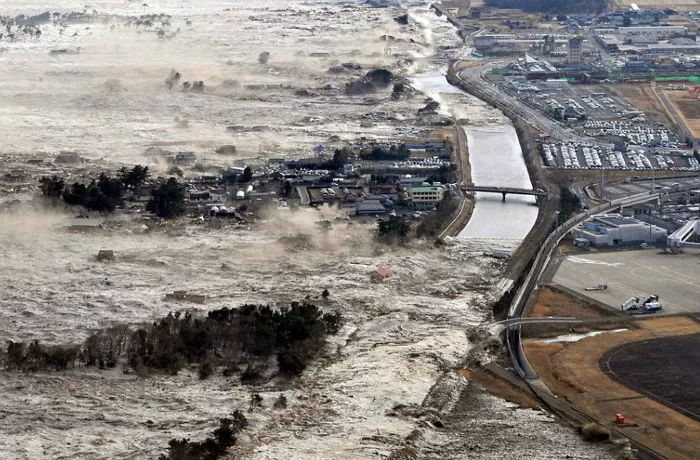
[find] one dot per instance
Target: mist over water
(54, 102)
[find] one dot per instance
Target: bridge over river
(504, 190)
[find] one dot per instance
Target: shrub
(206, 369)
(280, 402)
(52, 187)
(593, 432)
(213, 447)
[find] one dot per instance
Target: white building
(613, 230)
(425, 196)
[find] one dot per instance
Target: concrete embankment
(466, 204)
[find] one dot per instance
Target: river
(495, 158)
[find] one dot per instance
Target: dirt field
(689, 108)
(553, 302)
(642, 96)
(572, 371)
(639, 364)
(678, 5)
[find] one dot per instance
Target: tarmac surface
(619, 190)
(636, 273)
(664, 369)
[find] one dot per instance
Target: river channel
(495, 158)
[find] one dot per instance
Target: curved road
(517, 307)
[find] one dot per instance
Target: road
(473, 78)
(466, 205)
(517, 307)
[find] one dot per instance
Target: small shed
(380, 275)
(105, 255)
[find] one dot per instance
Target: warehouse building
(614, 230)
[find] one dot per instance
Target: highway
(517, 307)
(472, 78)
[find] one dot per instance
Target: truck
(635, 306)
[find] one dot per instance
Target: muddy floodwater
(93, 84)
(496, 159)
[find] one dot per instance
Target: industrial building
(574, 55)
(509, 44)
(614, 230)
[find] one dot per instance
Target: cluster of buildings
(607, 46)
(365, 188)
(395, 195)
(673, 221)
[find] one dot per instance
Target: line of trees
(105, 193)
(249, 335)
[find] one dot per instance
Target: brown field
(689, 108)
(642, 96)
(572, 371)
(553, 302)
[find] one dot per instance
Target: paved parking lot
(637, 273)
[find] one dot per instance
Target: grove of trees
(395, 230)
(103, 194)
(214, 446)
(168, 200)
(229, 338)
